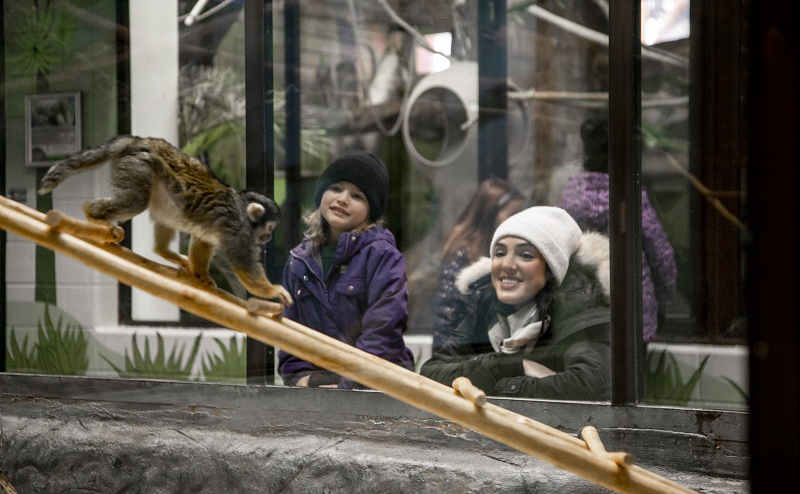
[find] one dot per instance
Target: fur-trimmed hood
(593, 250)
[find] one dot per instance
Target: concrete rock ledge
(62, 446)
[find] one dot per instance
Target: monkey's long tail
(82, 160)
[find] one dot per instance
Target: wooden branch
(5, 486)
(84, 229)
(601, 38)
(21, 208)
(592, 438)
(358, 120)
(464, 387)
(524, 434)
(705, 192)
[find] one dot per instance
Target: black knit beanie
(366, 171)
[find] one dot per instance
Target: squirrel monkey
(182, 194)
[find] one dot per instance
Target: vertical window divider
(625, 208)
(259, 147)
(123, 47)
(3, 236)
(492, 89)
(292, 213)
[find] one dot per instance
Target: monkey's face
(264, 215)
(263, 233)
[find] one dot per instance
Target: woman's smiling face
(519, 271)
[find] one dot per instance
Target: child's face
(345, 207)
(519, 271)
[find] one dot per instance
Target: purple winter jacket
(363, 301)
(585, 198)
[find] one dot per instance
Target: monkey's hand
(275, 292)
(286, 299)
(259, 285)
(264, 307)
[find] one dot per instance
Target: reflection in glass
(359, 73)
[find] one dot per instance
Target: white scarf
(516, 330)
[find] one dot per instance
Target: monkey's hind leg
(131, 179)
(200, 254)
(163, 236)
(115, 232)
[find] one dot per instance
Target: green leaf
(663, 383)
(19, 358)
(738, 389)
(231, 366)
(60, 349)
(142, 366)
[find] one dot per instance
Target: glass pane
(379, 89)
(404, 85)
(139, 70)
(698, 355)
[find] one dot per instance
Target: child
(347, 278)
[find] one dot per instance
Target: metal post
(260, 164)
(123, 47)
(292, 213)
(3, 308)
(625, 208)
(492, 90)
(773, 270)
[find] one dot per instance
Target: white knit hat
(551, 230)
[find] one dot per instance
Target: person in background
(347, 278)
(585, 198)
(493, 202)
(537, 321)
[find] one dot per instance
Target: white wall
(154, 113)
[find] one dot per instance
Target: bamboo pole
(708, 194)
(5, 486)
(592, 438)
(21, 208)
(84, 229)
(519, 432)
(463, 386)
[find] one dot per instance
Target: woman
(537, 323)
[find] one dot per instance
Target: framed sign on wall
(52, 127)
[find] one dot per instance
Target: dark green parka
(574, 342)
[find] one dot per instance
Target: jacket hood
(593, 250)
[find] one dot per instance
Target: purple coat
(363, 301)
(585, 198)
